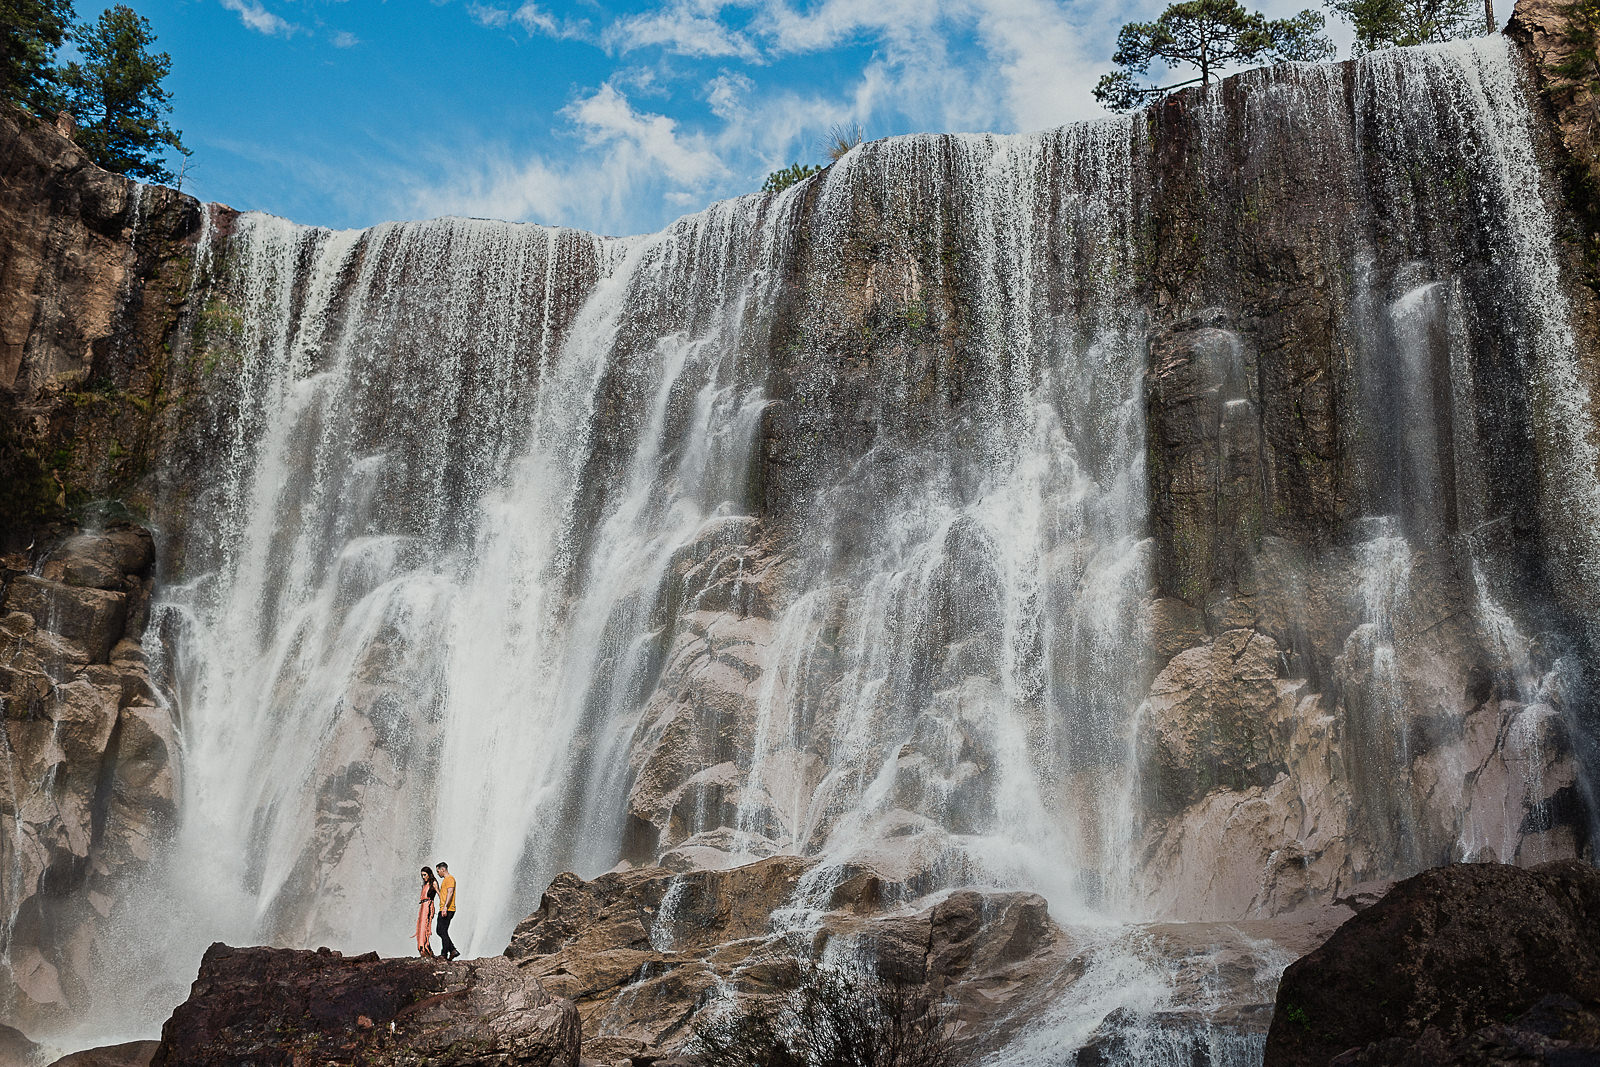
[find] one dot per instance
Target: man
(447, 910)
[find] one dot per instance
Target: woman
(430, 890)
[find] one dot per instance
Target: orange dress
(424, 921)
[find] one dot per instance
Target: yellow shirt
(447, 893)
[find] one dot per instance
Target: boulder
(1460, 964)
(259, 1006)
(91, 619)
(127, 1054)
(1209, 720)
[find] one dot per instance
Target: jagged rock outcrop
(1468, 964)
(260, 1006)
(644, 952)
(88, 785)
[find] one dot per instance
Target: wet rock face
(265, 1006)
(89, 780)
(642, 952)
(1469, 964)
(1565, 71)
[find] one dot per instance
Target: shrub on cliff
(1209, 36)
(832, 1018)
(779, 180)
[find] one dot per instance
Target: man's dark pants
(446, 946)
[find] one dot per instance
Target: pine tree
(34, 29)
(1210, 36)
(116, 95)
(1397, 23)
(779, 180)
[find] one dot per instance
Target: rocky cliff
(1188, 517)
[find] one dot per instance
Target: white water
(427, 595)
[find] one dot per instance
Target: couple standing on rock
(445, 890)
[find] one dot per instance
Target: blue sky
(611, 116)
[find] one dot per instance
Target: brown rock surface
(15, 1048)
(1430, 973)
(1566, 71)
(88, 787)
(642, 952)
(94, 270)
(259, 1006)
(127, 1054)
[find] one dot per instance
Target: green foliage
(1398, 23)
(116, 95)
(779, 180)
(34, 29)
(1210, 36)
(833, 1018)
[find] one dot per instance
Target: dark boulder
(1468, 964)
(260, 1006)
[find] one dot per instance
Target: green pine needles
(1208, 36)
(779, 180)
(1399, 23)
(34, 29)
(113, 89)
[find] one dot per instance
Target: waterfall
(819, 523)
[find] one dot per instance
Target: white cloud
(607, 119)
(725, 94)
(623, 154)
(493, 17)
(258, 18)
(345, 39)
(535, 20)
(1040, 60)
(681, 32)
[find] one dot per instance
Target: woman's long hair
(433, 887)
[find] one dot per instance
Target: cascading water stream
(815, 524)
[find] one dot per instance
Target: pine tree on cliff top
(1210, 36)
(1397, 23)
(116, 95)
(33, 30)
